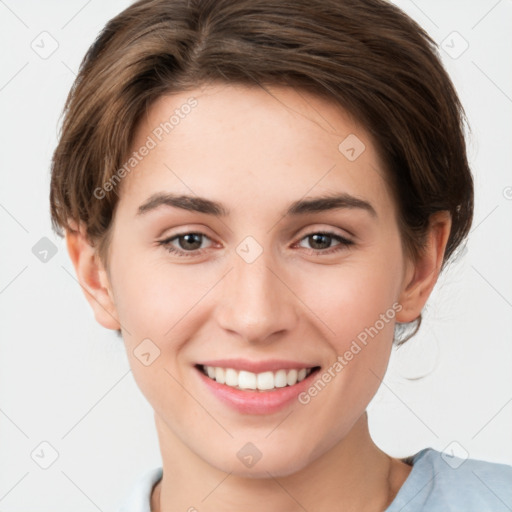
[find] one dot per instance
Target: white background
(66, 380)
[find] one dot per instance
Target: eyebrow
(300, 207)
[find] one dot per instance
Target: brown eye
(320, 242)
(189, 244)
(190, 241)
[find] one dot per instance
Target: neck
(354, 475)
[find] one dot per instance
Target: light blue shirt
(437, 483)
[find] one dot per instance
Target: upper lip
(269, 365)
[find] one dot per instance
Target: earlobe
(422, 275)
(92, 277)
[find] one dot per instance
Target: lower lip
(256, 402)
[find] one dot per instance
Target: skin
(257, 151)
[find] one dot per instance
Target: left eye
(190, 243)
(325, 238)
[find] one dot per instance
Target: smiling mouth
(249, 381)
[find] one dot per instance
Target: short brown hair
(366, 56)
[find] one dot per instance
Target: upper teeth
(263, 381)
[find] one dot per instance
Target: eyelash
(343, 244)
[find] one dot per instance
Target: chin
(271, 464)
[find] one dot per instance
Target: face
(265, 281)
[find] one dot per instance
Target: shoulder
(440, 481)
(139, 497)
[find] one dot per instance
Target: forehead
(242, 144)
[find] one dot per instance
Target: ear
(421, 276)
(93, 277)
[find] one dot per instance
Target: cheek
(360, 311)
(161, 306)
(353, 298)
(152, 296)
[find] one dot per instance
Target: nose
(257, 303)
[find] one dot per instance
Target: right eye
(189, 242)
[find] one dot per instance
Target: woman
(259, 198)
